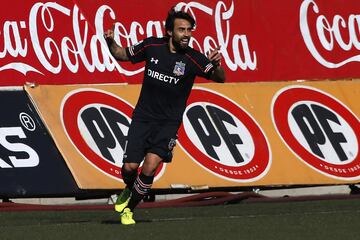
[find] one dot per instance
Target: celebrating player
(170, 69)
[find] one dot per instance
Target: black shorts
(150, 137)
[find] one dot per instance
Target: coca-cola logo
(332, 40)
(85, 46)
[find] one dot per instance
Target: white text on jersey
(162, 77)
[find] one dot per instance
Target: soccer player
(171, 66)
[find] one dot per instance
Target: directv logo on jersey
(162, 77)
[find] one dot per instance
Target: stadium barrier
(236, 134)
(30, 163)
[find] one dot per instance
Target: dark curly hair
(172, 15)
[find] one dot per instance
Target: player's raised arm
(218, 74)
(118, 52)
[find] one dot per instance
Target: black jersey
(168, 78)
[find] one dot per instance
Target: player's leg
(133, 156)
(161, 143)
(129, 175)
(144, 180)
(141, 187)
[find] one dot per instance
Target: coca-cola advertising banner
(264, 40)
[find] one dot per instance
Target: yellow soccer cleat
(122, 200)
(127, 217)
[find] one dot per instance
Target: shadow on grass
(117, 222)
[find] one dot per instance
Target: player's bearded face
(181, 34)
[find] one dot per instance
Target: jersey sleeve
(137, 53)
(204, 67)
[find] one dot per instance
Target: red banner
(261, 40)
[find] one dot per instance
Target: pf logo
(319, 129)
(97, 122)
(223, 138)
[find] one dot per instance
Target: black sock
(141, 188)
(128, 177)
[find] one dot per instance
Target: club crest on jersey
(179, 68)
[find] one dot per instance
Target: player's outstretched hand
(215, 56)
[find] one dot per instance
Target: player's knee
(130, 167)
(150, 166)
(129, 174)
(149, 169)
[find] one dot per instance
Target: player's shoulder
(195, 55)
(154, 41)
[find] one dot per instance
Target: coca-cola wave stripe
(266, 40)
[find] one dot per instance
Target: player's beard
(179, 45)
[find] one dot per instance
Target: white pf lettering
(162, 77)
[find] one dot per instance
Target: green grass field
(327, 219)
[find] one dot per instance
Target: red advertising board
(261, 40)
